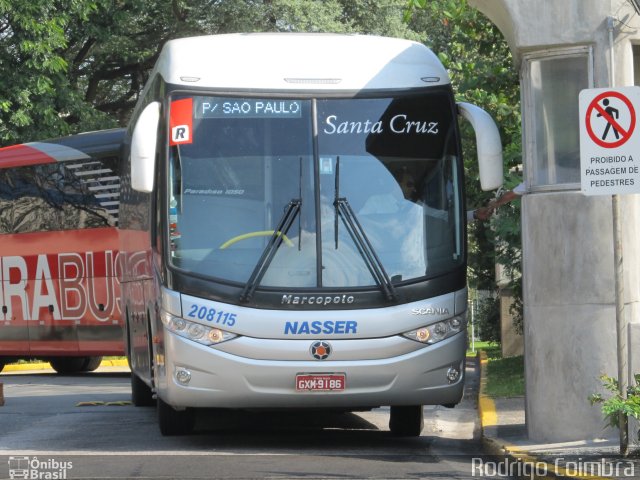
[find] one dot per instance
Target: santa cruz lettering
(399, 124)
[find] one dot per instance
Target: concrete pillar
(568, 275)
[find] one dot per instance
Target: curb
(514, 455)
(487, 411)
(489, 418)
(46, 366)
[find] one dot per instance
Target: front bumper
(224, 380)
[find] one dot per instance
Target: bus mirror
(143, 148)
(488, 144)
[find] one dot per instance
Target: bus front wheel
(175, 422)
(406, 421)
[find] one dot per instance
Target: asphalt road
(42, 426)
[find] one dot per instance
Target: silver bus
(293, 228)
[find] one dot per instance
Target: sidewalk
(504, 435)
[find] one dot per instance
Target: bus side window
(58, 196)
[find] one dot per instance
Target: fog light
(183, 376)
(453, 374)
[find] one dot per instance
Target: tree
(78, 65)
(32, 34)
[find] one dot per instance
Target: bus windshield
(390, 166)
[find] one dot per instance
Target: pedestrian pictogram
(613, 113)
(610, 119)
(609, 141)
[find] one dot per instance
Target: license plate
(324, 382)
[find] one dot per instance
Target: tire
(174, 422)
(141, 394)
(91, 363)
(406, 421)
(67, 365)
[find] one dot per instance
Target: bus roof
(299, 62)
(73, 147)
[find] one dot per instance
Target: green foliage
(491, 349)
(43, 60)
(616, 404)
(505, 226)
(505, 377)
(488, 319)
(381, 17)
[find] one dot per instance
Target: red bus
(59, 263)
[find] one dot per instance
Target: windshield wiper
(290, 213)
(360, 239)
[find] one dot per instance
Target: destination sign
(213, 107)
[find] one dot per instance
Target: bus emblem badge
(320, 350)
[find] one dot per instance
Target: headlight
(194, 331)
(438, 331)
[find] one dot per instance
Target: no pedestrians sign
(610, 140)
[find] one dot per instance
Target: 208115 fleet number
(212, 315)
